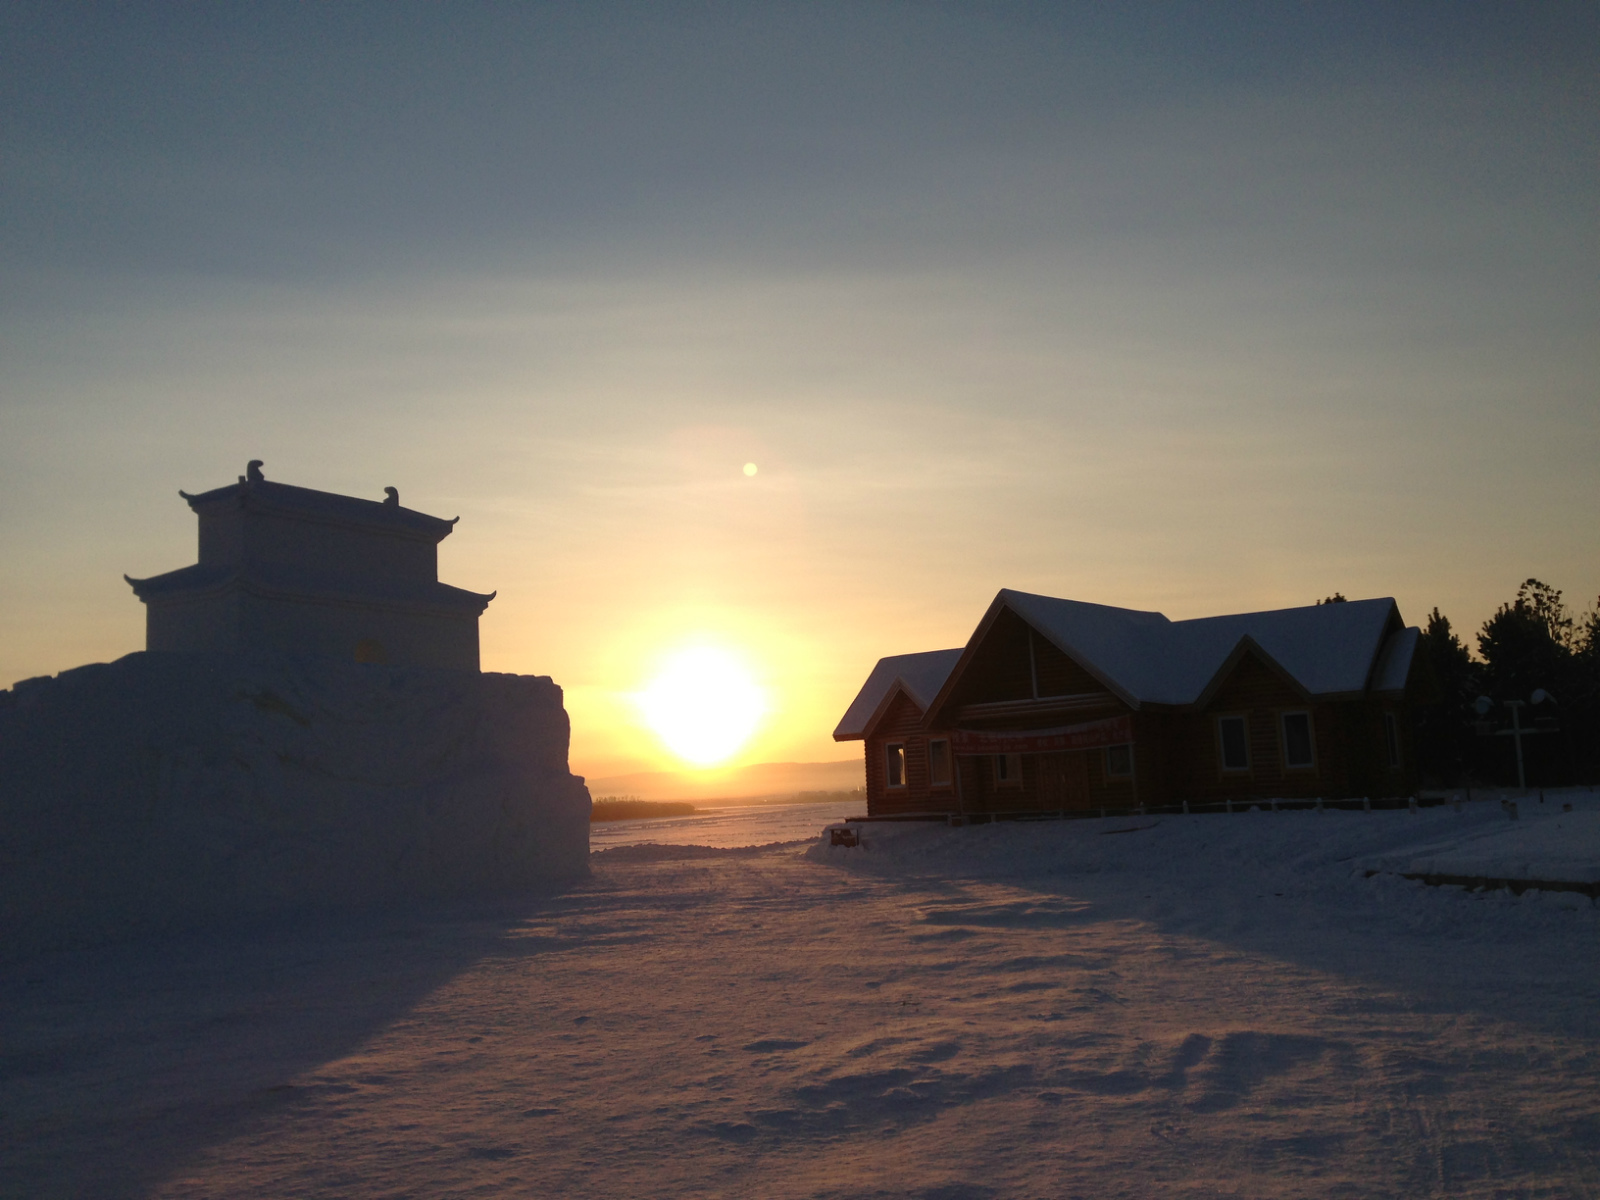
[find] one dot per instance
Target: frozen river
(725, 827)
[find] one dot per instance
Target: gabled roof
(1144, 658)
(919, 676)
(1394, 666)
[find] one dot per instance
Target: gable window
(1119, 761)
(895, 764)
(1298, 748)
(1391, 737)
(939, 762)
(1234, 745)
(1008, 770)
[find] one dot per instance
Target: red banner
(1111, 732)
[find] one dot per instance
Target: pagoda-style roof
(307, 504)
(274, 580)
(301, 571)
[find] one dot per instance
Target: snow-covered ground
(724, 826)
(1185, 1007)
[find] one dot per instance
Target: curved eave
(439, 599)
(192, 580)
(330, 508)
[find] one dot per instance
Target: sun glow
(703, 704)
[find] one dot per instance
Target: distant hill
(759, 781)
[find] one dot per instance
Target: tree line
(1533, 648)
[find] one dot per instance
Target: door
(1064, 780)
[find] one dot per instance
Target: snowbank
(172, 790)
(1286, 875)
(1553, 847)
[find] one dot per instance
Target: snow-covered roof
(1328, 649)
(920, 676)
(1394, 666)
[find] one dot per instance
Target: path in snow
(1208, 1006)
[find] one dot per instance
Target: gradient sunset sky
(1197, 308)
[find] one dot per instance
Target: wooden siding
(1000, 673)
(1058, 674)
(999, 667)
(1176, 752)
(902, 724)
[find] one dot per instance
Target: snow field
(1184, 1007)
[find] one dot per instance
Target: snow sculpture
(254, 761)
(309, 572)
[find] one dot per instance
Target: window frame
(1003, 774)
(1115, 774)
(1222, 743)
(1391, 739)
(949, 764)
(1311, 739)
(889, 759)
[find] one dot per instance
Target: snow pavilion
(291, 570)
(1056, 705)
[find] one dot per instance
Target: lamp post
(1483, 704)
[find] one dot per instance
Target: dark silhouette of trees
(1534, 642)
(1527, 644)
(1447, 686)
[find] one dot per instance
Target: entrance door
(1064, 780)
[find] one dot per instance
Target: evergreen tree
(1581, 704)
(1535, 643)
(1449, 686)
(1527, 644)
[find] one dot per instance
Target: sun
(703, 704)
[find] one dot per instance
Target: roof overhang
(1001, 604)
(1245, 647)
(896, 689)
(295, 503)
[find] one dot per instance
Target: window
(1235, 747)
(1008, 770)
(1391, 736)
(1297, 743)
(939, 762)
(895, 764)
(1119, 761)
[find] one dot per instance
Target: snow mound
(167, 791)
(1285, 875)
(1557, 848)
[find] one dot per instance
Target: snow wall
(167, 791)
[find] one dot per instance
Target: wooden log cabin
(1058, 705)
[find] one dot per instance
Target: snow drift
(172, 790)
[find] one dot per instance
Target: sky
(1195, 308)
